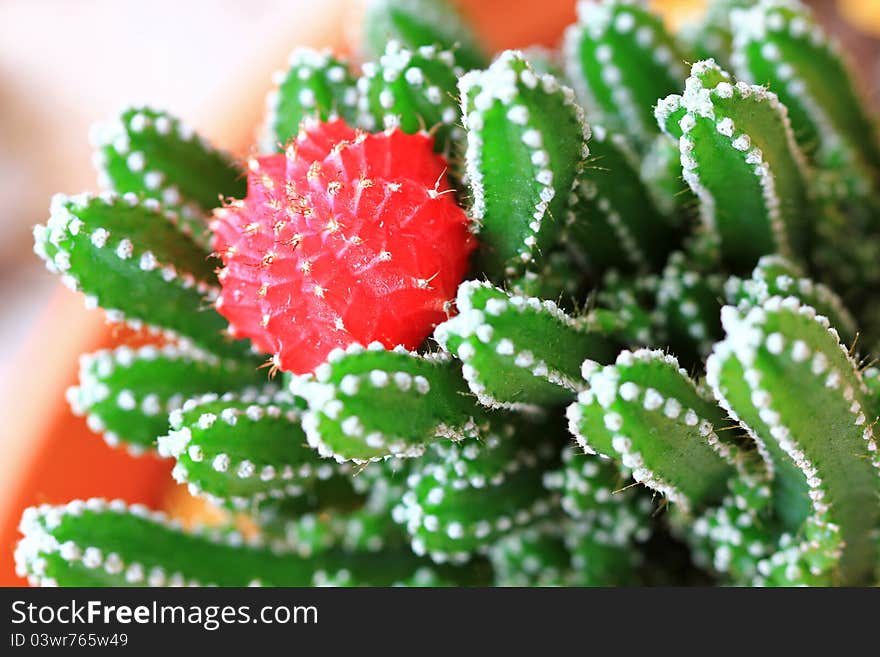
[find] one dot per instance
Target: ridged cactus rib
(777, 42)
(612, 219)
(518, 352)
(316, 85)
(462, 497)
(621, 59)
(245, 448)
(688, 306)
(647, 413)
(101, 543)
(349, 398)
(416, 23)
(413, 90)
(526, 145)
(739, 157)
(156, 156)
(778, 276)
(126, 394)
(127, 257)
(792, 359)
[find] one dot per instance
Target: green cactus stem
(243, 449)
(518, 352)
(127, 257)
(778, 43)
(779, 358)
(560, 278)
(316, 85)
(621, 59)
(534, 556)
(413, 90)
(647, 413)
(416, 23)
(739, 157)
(463, 496)
(612, 219)
(778, 276)
(154, 155)
(348, 397)
(687, 308)
(660, 171)
(624, 308)
(124, 254)
(126, 394)
(101, 543)
(711, 37)
(526, 144)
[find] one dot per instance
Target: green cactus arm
(792, 359)
(687, 308)
(243, 449)
(518, 352)
(129, 259)
(777, 42)
(740, 540)
(526, 144)
(621, 59)
(463, 496)
(726, 376)
(413, 90)
(647, 413)
(660, 171)
(559, 278)
(416, 23)
(101, 543)
(712, 35)
(871, 377)
(613, 219)
(778, 276)
(154, 155)
(625, 308)
(348, 397)
(739, 157)
(316, 85)
(126, 394)
(534, 556)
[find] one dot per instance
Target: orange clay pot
(59, 459)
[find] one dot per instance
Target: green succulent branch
(518, 352)
(128, 257)
(126, 394)
(155, 156)
(777, 42)
(463, 496)
(612, 219)
(525, 133)
(416, 23)
(779, 357)
(621, 59)
(317, 85)
(740, 158)
(646, 412)
(347, 396)
(101, 543)
(413, 90)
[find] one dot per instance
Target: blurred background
(65, 64)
